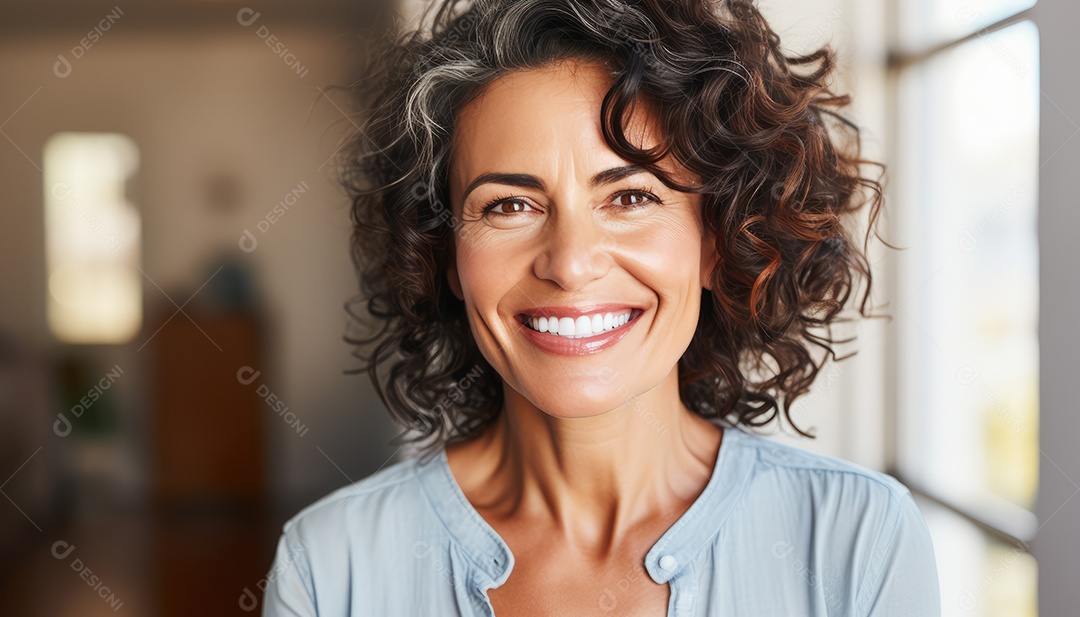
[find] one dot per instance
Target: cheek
(667, 254)
(482, 264)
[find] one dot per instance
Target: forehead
(538, 120)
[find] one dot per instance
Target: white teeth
(566, 326)
(583, 326)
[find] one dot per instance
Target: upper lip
(577, 310)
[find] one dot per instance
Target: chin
(572, 402)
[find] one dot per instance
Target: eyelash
(490, 206)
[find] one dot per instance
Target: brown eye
(515, 206)
(507, 206)
(632, 199)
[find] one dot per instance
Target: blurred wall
(210, 105)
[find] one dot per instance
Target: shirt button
(668, 563)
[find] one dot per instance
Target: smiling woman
(596, 240)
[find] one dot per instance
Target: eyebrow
(532, 182)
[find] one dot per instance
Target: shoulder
(795, 491)
(809, 508)
(374, 517)
(318, 558)
(781, 468)
(382, 495)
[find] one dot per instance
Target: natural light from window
(968, 390)
(92, 238)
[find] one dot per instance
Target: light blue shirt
(776, 531)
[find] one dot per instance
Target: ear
(709, 259)
(452, 278)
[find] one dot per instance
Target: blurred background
(174, 264)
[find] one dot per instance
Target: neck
(593, 479)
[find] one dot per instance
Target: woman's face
(573, 240)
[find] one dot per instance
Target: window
(92, 238)
(965, 82)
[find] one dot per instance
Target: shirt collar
(681, 543)
(678, 547)
(478, 539)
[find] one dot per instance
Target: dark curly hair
(779, 167)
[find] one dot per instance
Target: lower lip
(562, 346)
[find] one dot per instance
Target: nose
(576, 249)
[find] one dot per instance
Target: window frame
(1016, 526)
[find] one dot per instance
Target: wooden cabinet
(208, 428)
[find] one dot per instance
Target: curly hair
(760, 128)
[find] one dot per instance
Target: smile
(584, 326)
(584, 334)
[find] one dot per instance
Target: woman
(597, 240)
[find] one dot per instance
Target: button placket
(683, 590)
